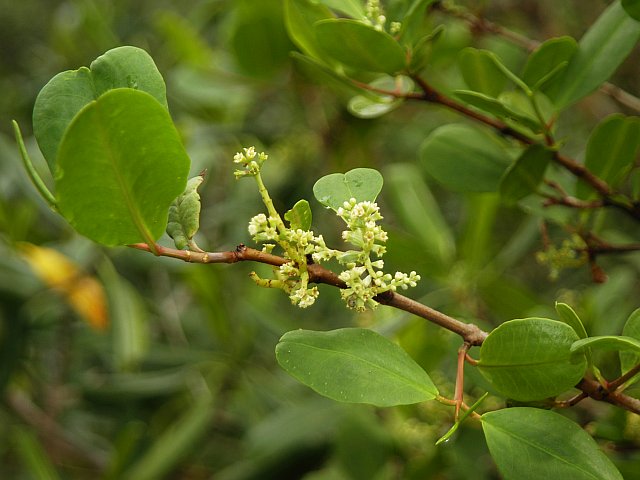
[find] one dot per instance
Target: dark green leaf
(547, 58)
(607, 342)
(354, 365)
(530, 359)
(360, 46)
(363, 184)
(480, 72)
(532, 444)
(299, 17)
(120, 165)
(524, 176)
(184, 214)
(632, 7)
(66, 93)
(612, 149)
(600, 51)
(299, 217)
(629, 359)
(464, 159)
(570, 317)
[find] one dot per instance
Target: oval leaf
(530, 359)
(607, 342)
(66, 93)
(524, 176)
(360, 46)
(464, 159)
(600, 51)
(363, 184)
(120, 165)
(354, 365)
(570, 317)
(629, 359)
(184, 214)
(547, 58)
(530, 444)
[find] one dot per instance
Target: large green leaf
(600, 51)
(464, 159)
(524, 176)
(480, 71)
(547, 59)
(354, 365)
(612, 149)
(532, 444)
(66, 93)
(120, 165)
(299, 17)
(629, 359)
(363, 184)
(530, 359)
(360, 46)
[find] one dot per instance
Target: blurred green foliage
(184, 383)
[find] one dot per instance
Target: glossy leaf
(299, 17)
(360, 46)
(530, 359)
(120, 165)
(612, 149)
(363, 184)
(547, 58)
(68, 92)
(184, 214)
(607, 342)
(600, 51)
(299, 217)
(632, 7)
(570, 317)
(354, 365)
(629, 359)
(464, 159)
(530, 444)
(523, 177)
(480, 72)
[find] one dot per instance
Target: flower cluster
(374, 14)
(251, 160)
(570, 254)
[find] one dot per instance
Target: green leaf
(68, 92)
(363, 184)
(480, 71)
(531, 444)
(32, 454)
(413, 21)
(570, 317)
(629, 359)
(464, 159)
(120, 165)
(462, 418)
(607, 342)
(299, 17)
(360, 46)
(421, 52)
(372, 106)
(547, 58)
(612, 150)
(299, 217)
(325, 76)
(184, 214)
(354, 365)
(353, 8)
(600, 51)
(523, 177)
(632, 7)
(530, 359)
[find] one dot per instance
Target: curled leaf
(184, 214)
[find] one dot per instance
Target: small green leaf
(372, 106)
(462, 418)
(607, 342)
(547, 58)
(299, 17)
(68, 92)
(530, 359)
(632, 7)
(629, 359)
(184, 214)
(524, 176)
(363, 184)
(532, 444)
(120, 165)
(480, 71)
(360, 46)
(354, 365)
(299, 217)
(413, 21)
(421, 52)
(464, 159)
(612, 150)
(498, 108)
(600, 51)
(570, 317)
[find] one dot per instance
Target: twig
(598, 392)
(613, 385)
(459, 391)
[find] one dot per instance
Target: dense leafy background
(184, 382)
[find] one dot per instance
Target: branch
(599, 392)
(471, 333)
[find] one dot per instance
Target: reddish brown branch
(624, 378)
(599, 392)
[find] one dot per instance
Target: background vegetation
(183, 383)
